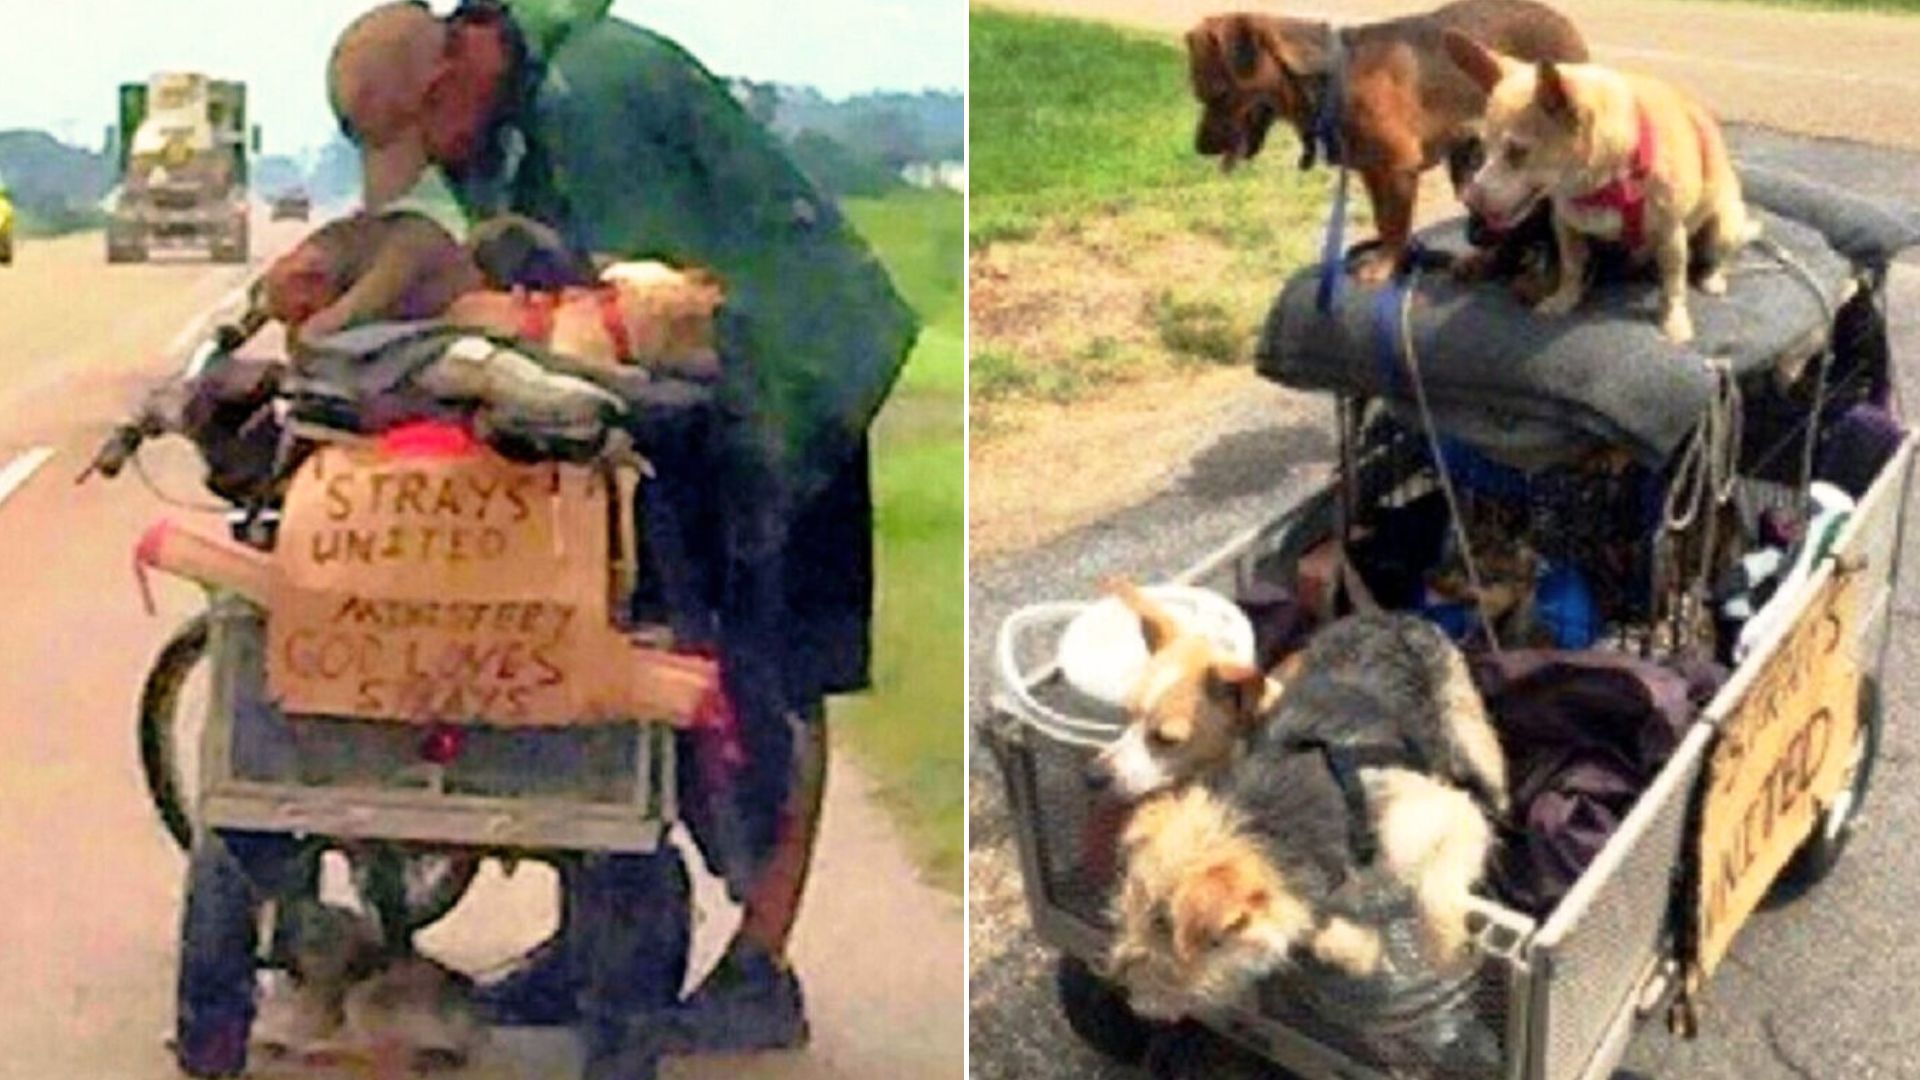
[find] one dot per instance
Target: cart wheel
(1821, 853)
(1099, 1013)
(160, 700)
(427, 886)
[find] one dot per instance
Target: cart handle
(1014, 683)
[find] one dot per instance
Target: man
(627, 146)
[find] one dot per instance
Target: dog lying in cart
(1661, 574)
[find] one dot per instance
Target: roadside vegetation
(910, 730)
(1103, 250)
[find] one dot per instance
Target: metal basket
(1550, 1001)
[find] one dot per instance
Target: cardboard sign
(459, 589)
(1777, 763)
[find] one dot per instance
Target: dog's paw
(1373, 267)
(1447, 943)
(1350, 946)
(1714, 283)
(1558, 304)
(1677, 326)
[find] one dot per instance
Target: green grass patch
(1073, 118)
(1082, 149)
(909, 731)
(917, 234)
(60, 221)
(1196, 328)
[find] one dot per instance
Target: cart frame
(1572, 988)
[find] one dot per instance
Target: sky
(63, 58)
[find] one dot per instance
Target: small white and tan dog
(1192, 708)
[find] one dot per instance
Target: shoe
(749, 1003)
(543, 991)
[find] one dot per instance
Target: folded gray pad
(1529, 388)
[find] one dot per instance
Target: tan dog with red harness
(1627, 159)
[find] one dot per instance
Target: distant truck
(182, 145)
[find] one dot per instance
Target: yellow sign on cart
(1780, 758)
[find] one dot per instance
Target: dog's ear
(1158, 627)
(1551, 91)
(1484, 66)
(1221, 903)
(1242, 688)
(1297, 46)
(1242, 47)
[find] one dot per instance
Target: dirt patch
(1070, 465)
(1102, 348)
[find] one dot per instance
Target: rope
(1402, 291)
(1326, 132)
(1824, 357)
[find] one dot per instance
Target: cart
(422, 654)
(1765, 783)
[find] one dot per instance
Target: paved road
(1818, 989)
(87, 930)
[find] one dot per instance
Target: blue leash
(1325, 133)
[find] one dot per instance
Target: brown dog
(403, 266)
(1404, 106)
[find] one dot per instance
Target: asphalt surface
(1819, 989)
(88, 922)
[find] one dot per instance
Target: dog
(1192, 708)
(1508, 569)
(1622, 158)
(400, 266)
(357, 998)
(1404, 107)
(1379, 756)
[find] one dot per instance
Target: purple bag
(1584, 733)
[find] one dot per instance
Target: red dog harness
(536, 317)
(1627, 193)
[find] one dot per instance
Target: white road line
(21, 469)
(196, 327)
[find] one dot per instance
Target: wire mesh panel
(1597, 947)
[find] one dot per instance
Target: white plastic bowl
(1102, 651)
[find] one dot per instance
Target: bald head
(382, 68)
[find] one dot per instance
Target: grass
(1106, 250)
(28, 222)
(909, 732)
(1196, 328)
(917, 234)
(1074, 118)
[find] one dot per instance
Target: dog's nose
(1095, 776)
